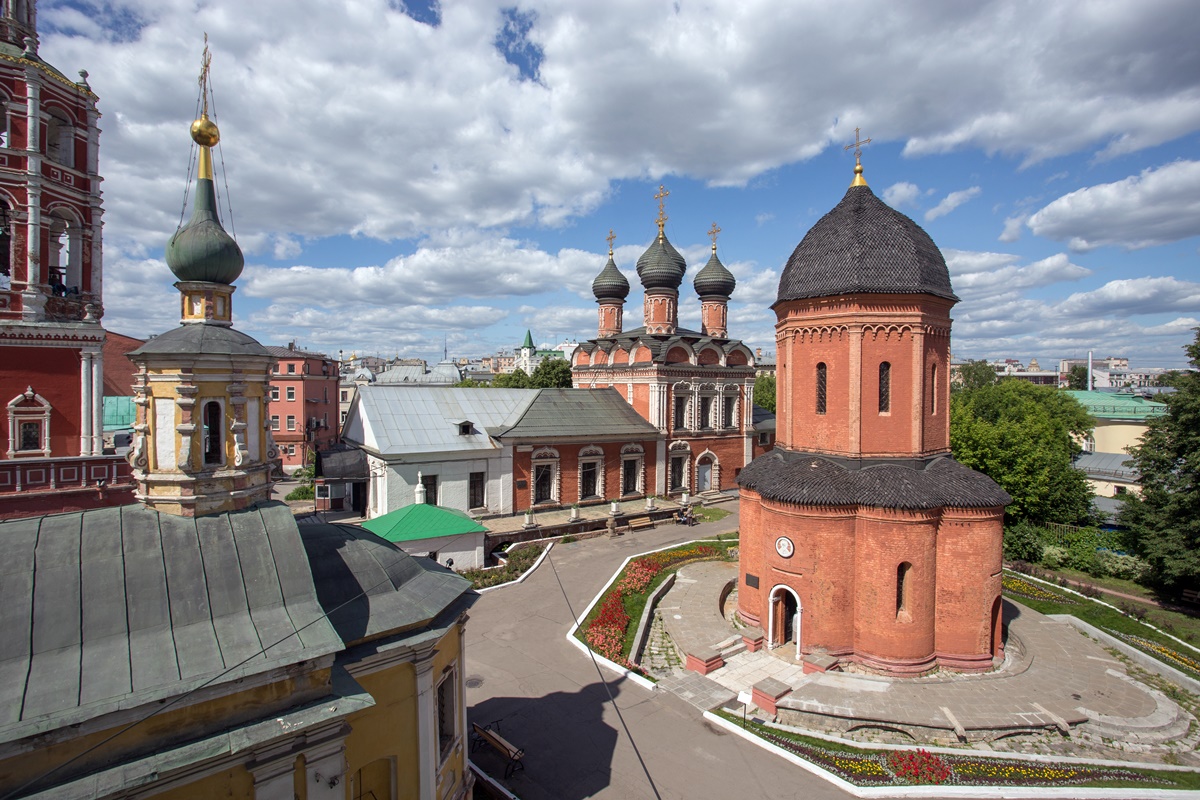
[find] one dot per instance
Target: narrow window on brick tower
(933, 389)
(885, 387)
(902, 571)
(212, 432)
(821, 378)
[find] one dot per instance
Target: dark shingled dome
(201, 250)
(805, 479)
(610, 284)
(714, 279)
(863, 245)
(661, 266)
(192, 339)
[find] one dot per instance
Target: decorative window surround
(28, 407)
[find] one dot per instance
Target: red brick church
(695, 387)
(863, 540)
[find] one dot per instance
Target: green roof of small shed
(422, 521)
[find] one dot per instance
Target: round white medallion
(784, 547)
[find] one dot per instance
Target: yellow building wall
(235, 784)
(1114, 436)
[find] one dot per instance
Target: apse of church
(696, 387)
(863, 541)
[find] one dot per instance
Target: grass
(519, 560)
(864, 767)
(706, 514)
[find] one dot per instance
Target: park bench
(485, 735)
(637, 523)
(1191, 596)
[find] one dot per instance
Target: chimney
(757, 353)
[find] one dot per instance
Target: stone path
(691, 610)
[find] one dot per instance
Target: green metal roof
(528, 341)
(422, 521)
(1110, 405)
(119, 413)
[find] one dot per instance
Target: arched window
(885, 387)
(933, 389)
(213, 449)
(902, 588)
(821, 388)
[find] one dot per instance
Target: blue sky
(428, 172)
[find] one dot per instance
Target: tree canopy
(552, 373)
(764, 392)
(1077, 378)
(1025, 437)
(974, 375)
(517, 379)
(1164, 522)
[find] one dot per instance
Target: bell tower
(203, 439)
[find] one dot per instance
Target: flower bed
(864, 767)
(1034, 591)
(606, 631)
(519, 560)
(1161, 652)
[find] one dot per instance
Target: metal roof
(422, 521)
(594, 413)
(119, 413)
(404, 420)
(1111, 405)
(114, 608)
(200, 338)
(1106, 465)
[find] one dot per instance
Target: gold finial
(611, 238)
(661, 197)
(204, 130)
(712, 234)
(859, 180)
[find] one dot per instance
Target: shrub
(1023, 541)
(1122, 565)
(301, 493)
(1054, 557)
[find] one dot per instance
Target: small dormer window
(464, 429)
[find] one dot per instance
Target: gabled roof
(591, 413)
(114, 608)
(406, 420)
(422, 521)
(291, 352)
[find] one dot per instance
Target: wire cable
(612, 700)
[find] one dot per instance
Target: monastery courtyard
(551, 700)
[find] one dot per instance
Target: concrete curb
(604, 662)
(928, 791)
(524, 574)
(639, 638)
(1145, 660)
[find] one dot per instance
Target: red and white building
(51, 341)
(304, 404)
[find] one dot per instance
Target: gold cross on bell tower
(611, 238)
(712, 234)
(661, 197)
(859, 180)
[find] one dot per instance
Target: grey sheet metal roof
(763, 420)
(400, 420)
(863, 245)
(114, 608)
(201, 338)
(808, 479)
(372, 588)
(598, 414)
(1107, 465)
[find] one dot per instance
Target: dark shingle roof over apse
(806, 479)
(863, 245)
(196, 338)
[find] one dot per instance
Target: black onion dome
(610, 284)
(661, 266)
(714, 279)
(201, 250)
(863, 245)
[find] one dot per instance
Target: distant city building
(764, 364)
(444, 373)
(529, 357)
(304, 404)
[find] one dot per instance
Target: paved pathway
(552, 701)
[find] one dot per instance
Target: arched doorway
(785, 618)
(704, 469)
(997, 628)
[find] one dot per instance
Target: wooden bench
(481, 735)
(1191, 596)
(638, 523)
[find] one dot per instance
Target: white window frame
(591, 455)
(18, 413)
(545, 456)
(291, 422)
(274, 394)
(291, 393)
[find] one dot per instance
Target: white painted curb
(524, 574)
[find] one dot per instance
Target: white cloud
(951, 202)
(763, 218)
(983, 285)
(1155, 207)
(1123, 298)
(1012, 228)
(899, 194)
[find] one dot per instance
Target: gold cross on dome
(858, 143)
(661, 197)
(712, 234)
(205, 61)
(611, 238)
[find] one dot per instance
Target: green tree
(1167, 378)
(974, 375)
(552, 373)
(764, 392)
(1164, 521)
(468, 383)
(1025, 437)
(517, 379)
(1077, 378)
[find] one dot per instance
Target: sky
(405, 178)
